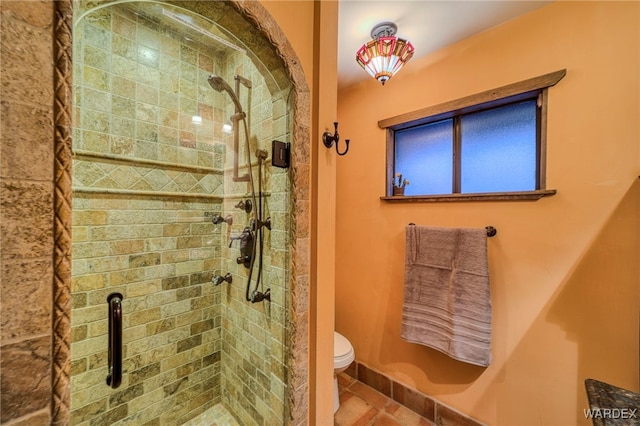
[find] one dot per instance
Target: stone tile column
(26, 210)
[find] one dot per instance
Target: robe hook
(328, 139)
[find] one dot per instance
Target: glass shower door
(157, 215)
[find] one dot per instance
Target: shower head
(218, 84)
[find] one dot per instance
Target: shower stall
(182, 208)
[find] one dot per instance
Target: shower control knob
(217, 219)
(244, 205)
(257, 296)
(244, 260)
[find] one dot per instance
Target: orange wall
(310, 28)
(564, 270)
(296, 18)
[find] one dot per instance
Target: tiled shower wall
(26, 211)
(146, 181)
(254, 340)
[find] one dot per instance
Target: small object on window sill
(398, 184)
(398, 191)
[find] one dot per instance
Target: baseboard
(426, 406)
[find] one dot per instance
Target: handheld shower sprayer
(219, 85)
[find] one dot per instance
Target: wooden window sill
(493, 196)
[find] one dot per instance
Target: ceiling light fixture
(384, 55)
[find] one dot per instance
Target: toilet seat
(343, 353)
(343, 356)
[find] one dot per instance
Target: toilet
(343, 356)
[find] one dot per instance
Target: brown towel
(447, 300)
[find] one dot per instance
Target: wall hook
(330, 139)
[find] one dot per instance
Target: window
(486, 146)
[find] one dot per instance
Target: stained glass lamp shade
(384, 55)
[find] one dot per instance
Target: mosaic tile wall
(146, 182)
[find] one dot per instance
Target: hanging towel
(447, 300)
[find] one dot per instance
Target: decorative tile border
(414, 400)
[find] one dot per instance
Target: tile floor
(215, 416)
(361, 405)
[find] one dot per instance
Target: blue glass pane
(499, 149)
(424, 156)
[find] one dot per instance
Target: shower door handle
(114, 378)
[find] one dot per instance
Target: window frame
(505, 95)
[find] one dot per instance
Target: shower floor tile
(214, 416)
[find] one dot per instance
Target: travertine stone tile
(26, 225)
(24, 141)
(20, 60)
(25, 384)
(39, 418)
(36, 14)
(26, 291)
(89, 411)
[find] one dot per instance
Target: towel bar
(491, 231)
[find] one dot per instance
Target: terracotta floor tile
(366, 419)
(392, 407)
(344, 380)
(354, 411)
(385, 420)
(407, 417)
(344, 396)
(370, 395)
(361, 405)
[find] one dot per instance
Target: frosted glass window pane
(498, 152)
(424, 156)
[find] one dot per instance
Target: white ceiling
(428, 25)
